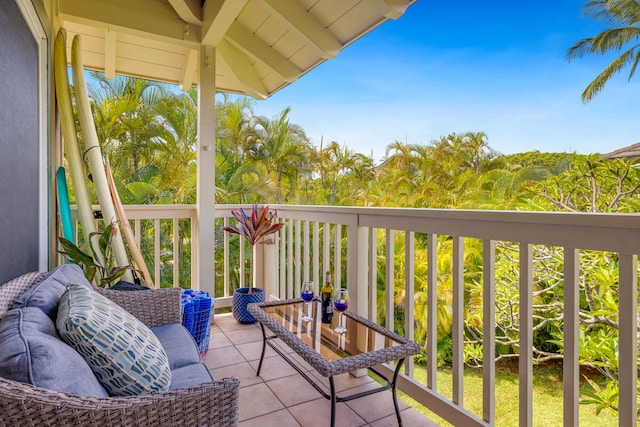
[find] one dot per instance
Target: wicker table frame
(328, 368)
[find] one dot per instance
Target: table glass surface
(359, 338)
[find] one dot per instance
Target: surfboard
(63, 205)
(72, 148)
(126, 229)
(93, 154)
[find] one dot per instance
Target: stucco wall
(19, 144)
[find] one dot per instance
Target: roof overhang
(261, 45)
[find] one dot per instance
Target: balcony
(281, 397)
(373, 251)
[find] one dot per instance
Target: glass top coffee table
(363, 346)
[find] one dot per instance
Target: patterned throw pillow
(123, 353)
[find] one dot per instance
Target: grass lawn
(547, 397)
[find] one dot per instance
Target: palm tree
(476, 143)
(341, 160)
(282, 148)
(624, 16)
(234, 131)
(177, 141)
(125, 120)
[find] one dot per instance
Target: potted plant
(101, 273)
(255, 229)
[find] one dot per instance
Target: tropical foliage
(149, 131)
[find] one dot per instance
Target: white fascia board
(144, 18)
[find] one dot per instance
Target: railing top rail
(161, 211)
(596, 231)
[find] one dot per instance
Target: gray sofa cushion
(190, 376)
(32, 352)
(179, 345)
(46, 294)
(11, 290)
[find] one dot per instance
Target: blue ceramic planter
(242, 297)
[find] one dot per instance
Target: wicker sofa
(211, 403)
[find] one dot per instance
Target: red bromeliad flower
(256, 227)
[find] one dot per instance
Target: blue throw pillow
(123, 353)
(46, 294)
(32, 352)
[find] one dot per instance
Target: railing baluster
(290, 243)
(326, 248)
(282, 274)
(409, 304)
(628, 340)
(136, 226)
(176, 252)
(570, 365)
(457, 324)
(389, 281)
(488, 331)
(297, 259)
(526, 336)
(156, 255)
(373, 276)
(225, 262)
(337, 256)
(194, 253)
(305, 252)
(316, 274)
(432, 310)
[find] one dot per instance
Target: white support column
(204, 279)
(269, 270)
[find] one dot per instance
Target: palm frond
(601, 79)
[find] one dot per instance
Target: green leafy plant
(103, 274)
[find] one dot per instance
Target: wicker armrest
(154, 307)
(210, 404)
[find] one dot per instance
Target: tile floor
(281, 397)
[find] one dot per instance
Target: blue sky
(495, 66)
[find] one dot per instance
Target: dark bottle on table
(327, 299)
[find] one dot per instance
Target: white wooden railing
(349, 241)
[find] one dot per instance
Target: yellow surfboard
(72, 148)
(93, 154)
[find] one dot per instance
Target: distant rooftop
(630, 152)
